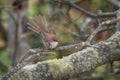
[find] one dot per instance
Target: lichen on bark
(74, 64)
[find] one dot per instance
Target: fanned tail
(38, 25)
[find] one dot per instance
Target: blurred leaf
(4, 57)
(2, 2)
(37, 42)
(65, 8)
(99, 71)
(110, 78)
(103, 5)
(1, 73)
(31, 12)
(54, 55)
(79, 21)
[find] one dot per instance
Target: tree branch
(114, 2)
(101, 25)
(90, 14)
(72, 65)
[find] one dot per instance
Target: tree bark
(72, 65)
(18, 14)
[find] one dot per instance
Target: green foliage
(110, 78)
(103, 5)
(1, 73)
(58, 15)
(2, 2)
(79, 21)
(43, 7)
(31, 12)
(4, 58)
(37, 41)
(54, 55)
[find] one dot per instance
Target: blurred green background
(67, 23)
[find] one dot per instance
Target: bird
(49, 37)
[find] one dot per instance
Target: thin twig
(105, 23)
(71, 21)
(105, 29)
(114, 2)
(48, 52)
(118, 23)
(90, 14)
(93, 34)
(77, 45)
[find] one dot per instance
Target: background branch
(114, 2)
(90, 14)
(101, 25)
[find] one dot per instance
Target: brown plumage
(39, 25)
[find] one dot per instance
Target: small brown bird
(49, 37)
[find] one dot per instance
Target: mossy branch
(74, 64)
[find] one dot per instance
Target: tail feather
(40, 20)
(38, 25)
(33, 27)
(34, 30)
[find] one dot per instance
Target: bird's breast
(51, 44)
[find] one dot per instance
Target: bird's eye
(55, 39)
